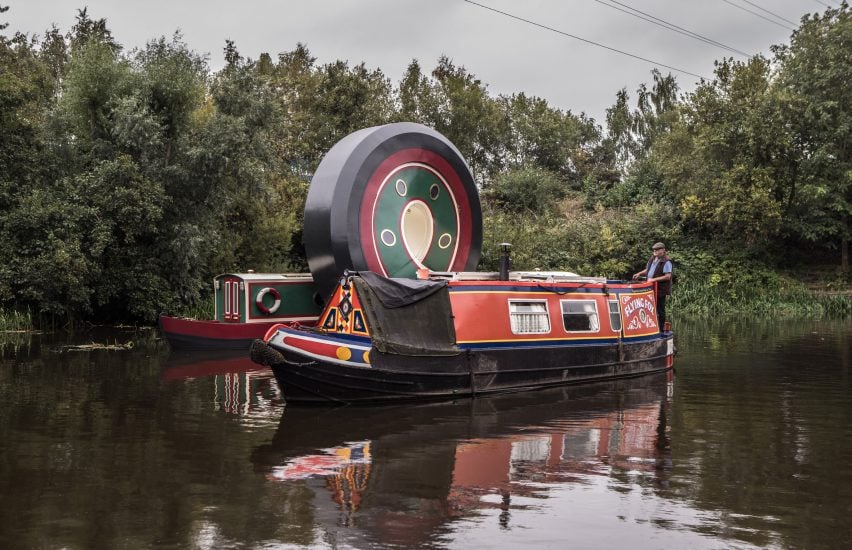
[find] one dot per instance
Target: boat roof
(252, 276)
(539, 276)
(546, 276)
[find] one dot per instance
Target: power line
(670, 26)
(575, 37)
(758, 15)
(824, 4)
(772, 13)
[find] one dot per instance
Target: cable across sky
(759, 15)
(587, 41)
(670, 26)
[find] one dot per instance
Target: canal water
(748, 445)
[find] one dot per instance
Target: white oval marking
(417, 228)
(388, 237)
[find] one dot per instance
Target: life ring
(262, 294)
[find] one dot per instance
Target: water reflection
(240, 386)
(404, 474)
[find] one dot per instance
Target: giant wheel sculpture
(392, 199)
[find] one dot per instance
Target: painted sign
(344, 314)
(639, 312)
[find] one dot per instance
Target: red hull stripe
(332, 351)
(311, 346)
(214, 329)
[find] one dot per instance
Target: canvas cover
(406, 316)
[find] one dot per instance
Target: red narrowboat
(246, 306)
(466, 334)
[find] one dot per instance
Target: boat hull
(210, 335)
(471, 372)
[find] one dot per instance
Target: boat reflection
(241, 387)
(402, 474)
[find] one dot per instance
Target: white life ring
(262, 294)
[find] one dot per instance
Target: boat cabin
(536, 308)
(263, 297)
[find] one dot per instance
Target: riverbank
(753, 289)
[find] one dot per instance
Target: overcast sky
(507, 54)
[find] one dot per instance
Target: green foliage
(48, 266)
(835, 305)
(755, 292)
(601, 242)
(814, 81)
(26, 93)
(526, 190)
(546, 138)
(469, 118)
(321, 105)
(173, 86)
(96, 75)
(631, 134)
(734, 282)
(643, 184)
(717, 162)
(124, 210)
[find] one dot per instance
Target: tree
(97, 74)
(173, 87)
(323, 104)
(418, 97)
(813, 79)
(27, 92)
(526, 191)
(655, 113)
(120, 212)
(620, 139)
(631, 134)
(250, 191)
(470, 119)
(547, 138)
(718, 161)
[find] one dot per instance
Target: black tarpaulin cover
(407, 316)
(395, 293)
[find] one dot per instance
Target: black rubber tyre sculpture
(391, 199)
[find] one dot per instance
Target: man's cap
(657, 246)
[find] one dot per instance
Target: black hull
(468, 374)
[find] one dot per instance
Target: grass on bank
(788, 300)
(202, 310)
(16, 321)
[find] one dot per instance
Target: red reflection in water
(417, 468)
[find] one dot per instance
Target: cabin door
(231, 299)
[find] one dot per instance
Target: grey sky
(506, 54)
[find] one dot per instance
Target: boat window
(580, 316)
(614, 316)
(529, 317)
